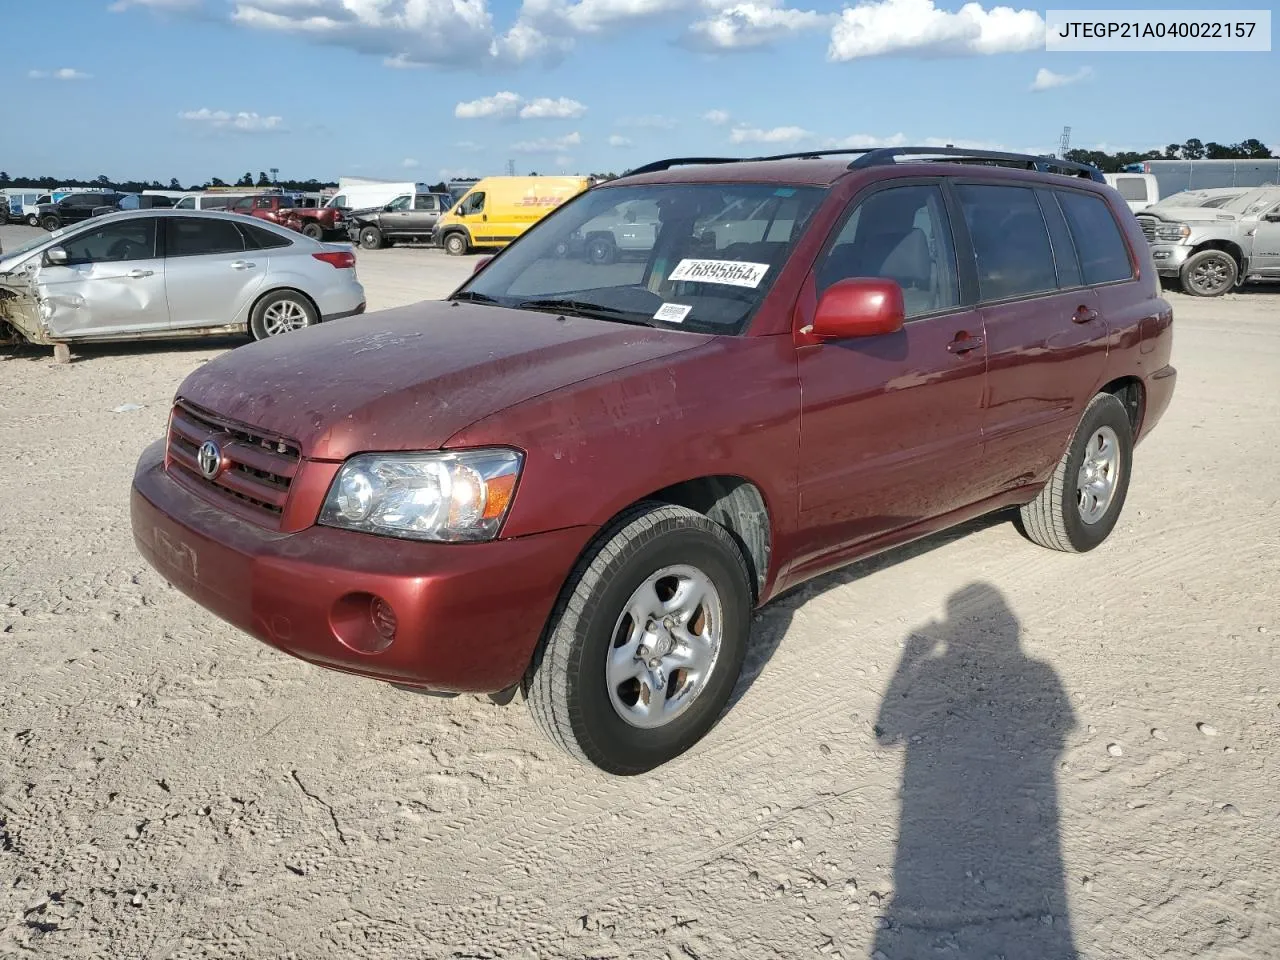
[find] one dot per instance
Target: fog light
(384, 618)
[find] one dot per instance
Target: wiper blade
(472, 297)
(577, 308)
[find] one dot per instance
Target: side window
(261, 239)
(186, 203)
(262, 203)
(1010, 241)
(1065, 258)
(399, 203)
(424, 202)
(1132, 188)
(123, 240)
(189, 237)
(901, 234)
(474, 203)
(1104, 257)
(339, 201)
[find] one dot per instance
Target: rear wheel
(646, 643)
(1080, 505)
(313, 230)
(455, 244)
(282, 312)
(1209, 273)
(371, 238)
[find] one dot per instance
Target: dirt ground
(971, 748)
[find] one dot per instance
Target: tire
(601, 251)
(643, 553)
(50, 223)
(371, 238)
(455, 244)
(1060, 517)
(1209, 273)
(313, 230)
(280, 312)
(33, 221)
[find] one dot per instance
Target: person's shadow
(978, 871)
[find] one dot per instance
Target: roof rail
(659, 165)
(889, 155)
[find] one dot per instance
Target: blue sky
(425, 88)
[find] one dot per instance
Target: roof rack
(889, 155)
(884, 156)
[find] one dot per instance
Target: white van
(208, 201)
(1139, 190)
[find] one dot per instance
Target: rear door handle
(139, 274)
(963, 344)
(1084, 314)
(242, 264)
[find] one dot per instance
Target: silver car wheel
(1099, 475)
(283, 316)
(665, 646)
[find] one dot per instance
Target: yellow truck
(498, 209)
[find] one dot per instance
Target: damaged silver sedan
(156, 274)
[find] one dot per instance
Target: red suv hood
(410, 378)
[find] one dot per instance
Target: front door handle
(242, 264)
(963, 343)
(1084, 314)
(139, 274)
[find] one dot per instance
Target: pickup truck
(404, 218)
(318, 223)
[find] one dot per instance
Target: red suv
(577, 480)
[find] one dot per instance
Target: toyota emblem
(209, 459)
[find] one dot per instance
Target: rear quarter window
(1132, 188)
(260, 239)
(1104, 256)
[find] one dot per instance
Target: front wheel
(371, 238)
(1080, 505)
(33, 221)
(50, 223)
(1209, 273)
(455, 244)
(646, 643)
(281, 312)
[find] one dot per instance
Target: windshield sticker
(734, 273)
(672, 312)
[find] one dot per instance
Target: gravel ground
(969, 748)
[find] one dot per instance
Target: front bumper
(468, 615)
(1169, 257)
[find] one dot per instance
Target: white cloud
(650, 122)
(755, 23)
(617, 141)
(856, 140)
(548, 145)
(774, 135)
(506, 105)
(64, 73)
(1047, 79)
(546, 108)
(716, 118)
(468, 145)
(122, 5)
(242, 122)
(409, 163)
(877, 28)
(501, 104)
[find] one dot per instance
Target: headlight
(1173, 232)
(462, 495)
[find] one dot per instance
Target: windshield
(699, 257)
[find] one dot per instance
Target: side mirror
(1273, 217)
(55, 255)
(859, 307)
(480, 265)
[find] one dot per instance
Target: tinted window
(1064, 248)
(123, 240)
(1132, 188)
(189, 237)
(902, 234)
(216, 203)
(260, 239)
(1103, 254)
(1010, 241)
(424, 202)
(186, 203)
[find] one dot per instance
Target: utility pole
(511, 168)
(275, 171)
(1064, 143)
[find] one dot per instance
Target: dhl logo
(539, 201)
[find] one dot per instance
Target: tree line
(104, 182)
(1193, 149)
